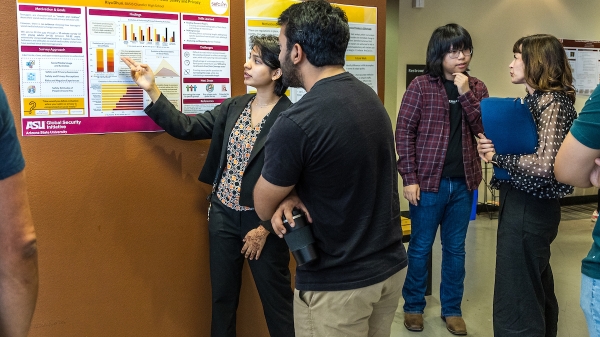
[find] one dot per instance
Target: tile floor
(571, 245)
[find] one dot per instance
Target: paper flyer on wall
(361, 55)
(584, 58)
(72, 78)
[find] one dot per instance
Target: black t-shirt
(336, 145)
(454, 166)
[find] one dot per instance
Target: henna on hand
(254, 242)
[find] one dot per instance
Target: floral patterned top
(239, 147)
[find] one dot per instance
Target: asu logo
(37, 125)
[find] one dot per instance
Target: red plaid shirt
(423, 132)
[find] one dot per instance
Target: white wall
(494, 26)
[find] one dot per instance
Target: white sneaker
(595, 216)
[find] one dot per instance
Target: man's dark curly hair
(320, 28)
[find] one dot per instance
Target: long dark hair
(443, 38)
(546, 64)
(268, 46)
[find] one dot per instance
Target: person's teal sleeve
(11, 157)
(586, 128)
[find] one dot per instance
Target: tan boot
(456, 325)
(413, 322)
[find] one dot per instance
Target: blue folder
(510, 125)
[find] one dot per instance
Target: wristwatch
(267, 225)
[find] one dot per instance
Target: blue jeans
(590, 303)
(450, 207)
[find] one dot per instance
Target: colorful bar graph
(147, 33)
(116, 97)
(110, 60)
(109, 66)
(99, 60)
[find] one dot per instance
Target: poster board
(73, 82)
(584, 57)
(361, 55)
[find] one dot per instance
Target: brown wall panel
(121, 220)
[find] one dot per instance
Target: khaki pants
(362, 312)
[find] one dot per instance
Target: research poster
(584, 57)
(361, 55)
(72, 78)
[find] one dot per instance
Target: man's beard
(290, 75)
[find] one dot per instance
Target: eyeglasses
(455, 53)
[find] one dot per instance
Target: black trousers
(271, 273)
(524, 301)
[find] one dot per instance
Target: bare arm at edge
(267, 198)
(18, 258)
(574, 164)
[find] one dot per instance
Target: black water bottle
(300, 239)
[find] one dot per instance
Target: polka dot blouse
(553, 113)
(239, 147)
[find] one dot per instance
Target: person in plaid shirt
(438, 161)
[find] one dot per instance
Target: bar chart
(147, 33)
(101, 65)
(120, 97)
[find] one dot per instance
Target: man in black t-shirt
(332, 155)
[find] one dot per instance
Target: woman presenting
(238, 129)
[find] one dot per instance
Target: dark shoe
(456, 325)
(413, 322)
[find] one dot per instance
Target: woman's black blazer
(217, 125)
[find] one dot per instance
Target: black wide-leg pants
(524, 301)
(227, 229)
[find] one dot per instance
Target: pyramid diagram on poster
(165, 70)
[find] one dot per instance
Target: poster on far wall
(72, 78)
(361, 55)
(584, 57)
